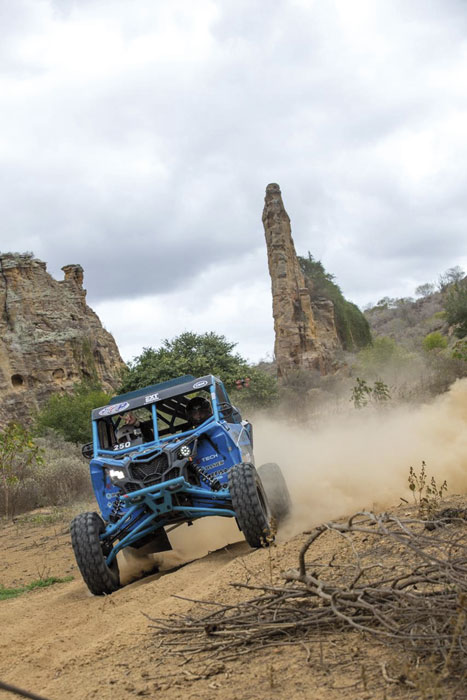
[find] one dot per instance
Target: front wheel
(91, 554)
(250, 504)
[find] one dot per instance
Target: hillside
(408, 321)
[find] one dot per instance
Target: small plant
(381, 392)
(363, 394)
(426, 495)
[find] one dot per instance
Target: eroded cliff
(49, 337)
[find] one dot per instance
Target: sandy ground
(62, 642)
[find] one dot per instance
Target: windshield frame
(150, 399)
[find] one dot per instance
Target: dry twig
(414, 596)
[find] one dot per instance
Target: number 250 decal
(121, 446)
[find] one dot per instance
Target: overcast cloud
(137, 139)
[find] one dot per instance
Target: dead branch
(414, 596)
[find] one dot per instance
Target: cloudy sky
(137, 139)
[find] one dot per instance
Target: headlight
(116, 474)
(184, 451)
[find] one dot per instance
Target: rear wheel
(276, 490)
(250, 504)
(91, 554)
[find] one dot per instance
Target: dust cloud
(188, 542)
(355, 461)
(362, 459)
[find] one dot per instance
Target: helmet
(198, 410)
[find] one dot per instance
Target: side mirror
(87, 450)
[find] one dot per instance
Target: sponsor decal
(198, 385)
(219, 472)
(216, 464)
(206, 459)
(110, 410)
(151, 398)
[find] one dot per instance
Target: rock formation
(306, 337)
(49, 337)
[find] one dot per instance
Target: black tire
(91, 554)
(250, 504)
(276, 490)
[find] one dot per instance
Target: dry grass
(60, 480)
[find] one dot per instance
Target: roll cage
(161, 412)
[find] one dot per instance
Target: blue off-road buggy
(163, 456)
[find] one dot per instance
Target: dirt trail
(61, 642)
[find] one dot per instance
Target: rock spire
(306, 337)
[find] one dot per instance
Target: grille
(150, 473)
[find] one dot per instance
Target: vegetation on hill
(441, 307)
(351, 325)
(69, 415)
(420, 341)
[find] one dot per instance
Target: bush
(60, 477)
(434, 341)
(19, 455)
(363, 393)
(70, 414)
(383, 356)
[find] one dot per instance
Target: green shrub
(434, 341)
(70, 414)
(363, 393)
(383, 355)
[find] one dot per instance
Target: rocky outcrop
(49, 337)
(306, 337)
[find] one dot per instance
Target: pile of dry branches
(393, 579)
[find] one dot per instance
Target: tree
(424, 290)
(200, 354)
(70, 414)
(452, 276)
(456, 308)
(18, 452)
